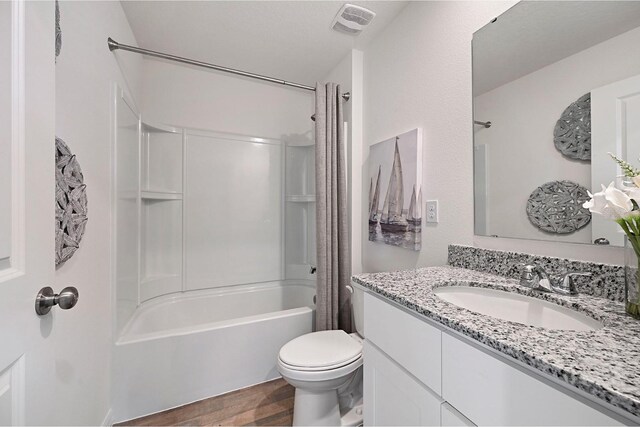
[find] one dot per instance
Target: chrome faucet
(568, 286)
(536, 278)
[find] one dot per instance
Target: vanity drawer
(411, 342)
(491, 392)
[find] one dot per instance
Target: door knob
(46, 299)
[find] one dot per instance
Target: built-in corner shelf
(301, 198)
(161, 195)
(159, 128)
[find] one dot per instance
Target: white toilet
(326, 370)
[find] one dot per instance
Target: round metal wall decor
(71, 203)
(572, 134)
(556, 207)
(58, 31)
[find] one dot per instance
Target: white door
(615, 128)
(27, 105)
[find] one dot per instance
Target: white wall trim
(357, 159)
(18, 154)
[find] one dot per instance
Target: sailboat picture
(395, 169)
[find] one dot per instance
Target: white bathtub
(185, 347)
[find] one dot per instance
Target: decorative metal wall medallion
(58, 31)
(572, 134)
(71, 203)
(556, 207)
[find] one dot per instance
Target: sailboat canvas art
(395, 191)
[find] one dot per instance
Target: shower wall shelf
(160, 195)
(148, 126)
(300, 208)
(301, 198)
(161, 227)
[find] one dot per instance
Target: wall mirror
(559, 82)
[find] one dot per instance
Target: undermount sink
(517, 308)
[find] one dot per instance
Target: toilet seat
(293, 373)
(320, 356)
(320, 351)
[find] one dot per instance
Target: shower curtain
(333, 309)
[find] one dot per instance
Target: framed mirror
(556, 86)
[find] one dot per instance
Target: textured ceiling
(291, 40)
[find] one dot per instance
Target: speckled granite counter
(604, 363)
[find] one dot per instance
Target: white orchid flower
(618, 200)
(633, 193)
(632, 189)
(598, 204)
(610, 203)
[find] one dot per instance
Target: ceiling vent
(352, 19)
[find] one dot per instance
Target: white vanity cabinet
(419, 373)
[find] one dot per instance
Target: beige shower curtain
(333, 309)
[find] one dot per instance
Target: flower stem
(632, 304)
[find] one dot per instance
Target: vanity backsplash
(606, 281)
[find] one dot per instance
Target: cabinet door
(411, 342)
(491, 392)
(393, 396)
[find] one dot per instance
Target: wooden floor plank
(257, 416)
(269, 403)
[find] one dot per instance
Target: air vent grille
(352, 19)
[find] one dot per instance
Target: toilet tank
(357, 309)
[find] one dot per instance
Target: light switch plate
(432, 211)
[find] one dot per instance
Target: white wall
(85, 73)
(525, 133)
(184, 96)
(417, 73)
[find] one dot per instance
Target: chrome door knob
(46, 299)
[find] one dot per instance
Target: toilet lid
(317, 350)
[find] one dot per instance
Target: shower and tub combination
(215, 243)
(215, 249)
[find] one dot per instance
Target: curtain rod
(114, 45)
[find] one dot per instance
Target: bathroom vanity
(431, 362)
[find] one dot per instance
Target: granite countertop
(604, 363)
